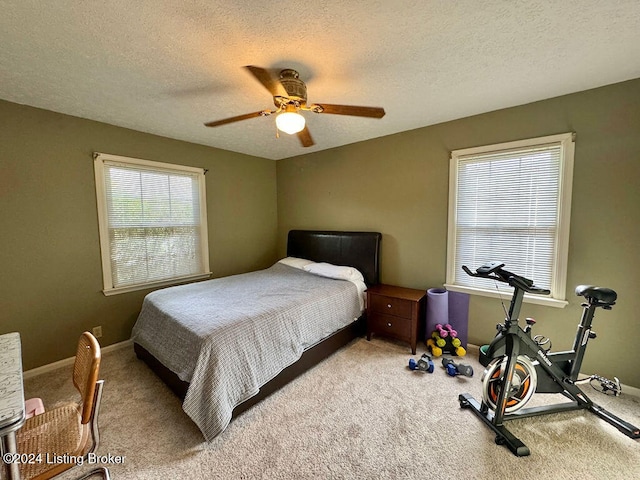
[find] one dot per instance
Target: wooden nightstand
(396, 312)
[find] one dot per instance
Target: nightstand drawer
(390, 325)
(391, 306)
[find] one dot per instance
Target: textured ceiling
(166, 67)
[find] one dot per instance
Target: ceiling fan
(290, 97)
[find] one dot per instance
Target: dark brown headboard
(355, 249)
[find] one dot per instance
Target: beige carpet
(361, 414)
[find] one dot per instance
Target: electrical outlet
(97, 331)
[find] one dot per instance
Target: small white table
(11, 399)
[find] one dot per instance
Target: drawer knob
(388, 324)
(388, 305)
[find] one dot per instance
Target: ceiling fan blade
(246, 116)
(266, 79)
(305, 137)
(372, 112)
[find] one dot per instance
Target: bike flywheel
(523, 383)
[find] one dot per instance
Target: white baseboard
(631, 391)
(69, 361)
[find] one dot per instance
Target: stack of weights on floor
(445, 338)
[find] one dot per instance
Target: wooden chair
(65, 436)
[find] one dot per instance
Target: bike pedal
(606, 386)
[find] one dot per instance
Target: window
(153, 226)
(511, 203)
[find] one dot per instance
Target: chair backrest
(85, 372)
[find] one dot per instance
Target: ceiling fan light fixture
(290, 121)
(289, 97)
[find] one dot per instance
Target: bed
(225, 344)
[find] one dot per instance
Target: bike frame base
(517, 447)
(503, 435)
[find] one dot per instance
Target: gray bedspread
(230, 336)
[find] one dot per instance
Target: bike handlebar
(494, 271)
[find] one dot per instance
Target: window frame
(557, 298)
(105, 246)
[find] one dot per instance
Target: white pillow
(335, 271)
(295, 262)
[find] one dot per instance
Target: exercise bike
(521, 365)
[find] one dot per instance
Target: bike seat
(604, 296)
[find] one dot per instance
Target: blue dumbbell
(454, 369)
(424, 364)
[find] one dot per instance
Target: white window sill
(535, 299)
(163, 283)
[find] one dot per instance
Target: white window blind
(510, 203)
(152, 222)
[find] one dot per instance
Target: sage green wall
(398, 185)
(50, 287)
(51, 274)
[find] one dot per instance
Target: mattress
(227, 337)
